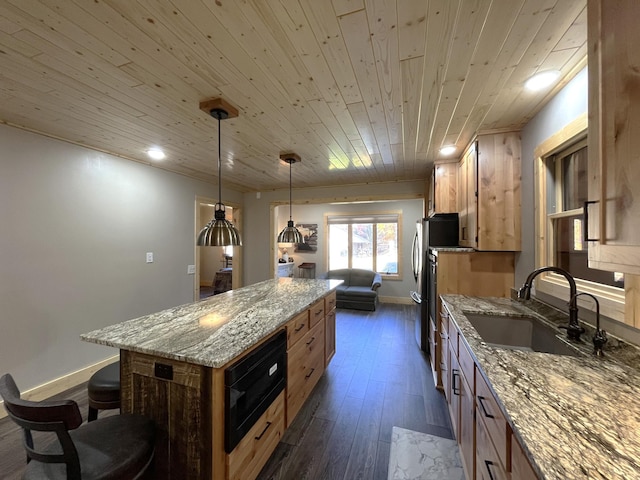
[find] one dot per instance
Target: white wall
(566, 106)
(76, 224)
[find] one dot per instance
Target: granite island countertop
(213, 331)
(576, 417)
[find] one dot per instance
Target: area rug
(420, 456)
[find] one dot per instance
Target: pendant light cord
(290, 201)
(219, 167)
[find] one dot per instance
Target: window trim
(612, 299)
(352, 218)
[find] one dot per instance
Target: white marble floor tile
(419, 456)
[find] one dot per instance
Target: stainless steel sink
(523, 333)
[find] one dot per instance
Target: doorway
(218, 269)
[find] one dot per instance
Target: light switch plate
(149, 257)
(191, 269)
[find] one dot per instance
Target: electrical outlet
(149, 257)
(191, 269)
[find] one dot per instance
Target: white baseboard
(399, 300)
(59, 385)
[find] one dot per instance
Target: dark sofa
(359, 289)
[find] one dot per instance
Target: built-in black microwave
(251, 385)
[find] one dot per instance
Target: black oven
(251, 385)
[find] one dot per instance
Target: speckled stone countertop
(577, 417)
(215, 330)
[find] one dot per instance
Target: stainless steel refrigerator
(438, 230)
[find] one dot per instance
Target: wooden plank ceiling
(363, 90)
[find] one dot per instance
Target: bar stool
(307, 270)
(104, 390)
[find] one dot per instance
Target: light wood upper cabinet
(445, 188)
(467, 187)
(614, 135)
(489, 199)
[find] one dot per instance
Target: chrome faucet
(574, 330)
(600, 337)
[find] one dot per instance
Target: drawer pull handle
(455, 373)
(313, 339)
(443, 335)
(264, 431)
(484, 410)
(302, 325)
(318, 313)
(489, 464)
(310, 373)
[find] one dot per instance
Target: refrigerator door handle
(415, 252)
(415, 296)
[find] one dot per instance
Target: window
(567, 192)
(561, 188)
(368, 241)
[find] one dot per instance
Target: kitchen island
(173, 369)
(565, 417)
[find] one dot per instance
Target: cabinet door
(330, 336)
(498, 192)
(614, 135)
(446, 187)
(467, 406)
(467, 198)
(455, 380)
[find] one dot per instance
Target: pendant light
(219, 232)
(290, 234)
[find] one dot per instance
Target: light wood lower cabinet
(305, 365)
(488, 464)
(330, 328)
(467, 426)
(453, 399)
(491, 416)
(253, 451)
(488, 448)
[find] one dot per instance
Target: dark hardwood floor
(378, 379)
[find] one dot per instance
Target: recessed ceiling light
(156, 154)
(542, 80)
(448, 150)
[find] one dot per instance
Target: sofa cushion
(356, 292)
(361, 278)
(342, 274)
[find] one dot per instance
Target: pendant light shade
(219, 232)
(290, 234)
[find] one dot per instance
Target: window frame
(382, 216)
(611, 299)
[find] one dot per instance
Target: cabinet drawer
(488, 465)
(253, 451)
(297, 328)
(330, 302)
(492, 417)
(316, 312)
(305, 366)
